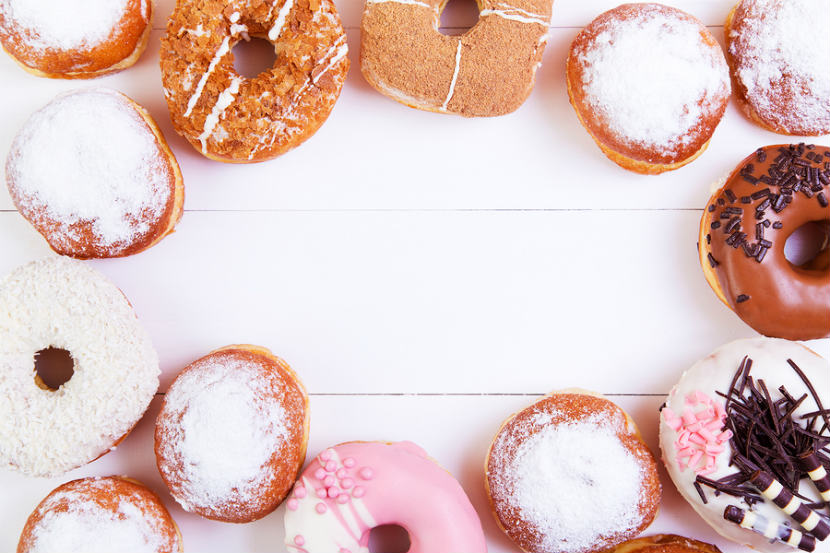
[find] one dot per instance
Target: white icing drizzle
(275, 31)
(454, 77)
(516, 14)
(407, 2)
(340, 50)
(222, 102)
(224, 48)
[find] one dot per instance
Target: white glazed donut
(706, 451)
(64, 304)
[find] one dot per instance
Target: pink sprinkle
(331, 466)
(292, 504)
(319, 474)
(325, 455)
(346, 483)
(322, 493)
(715, 448)
(696, 456)
(321, 508)
(689, 417)
(706, 471)
(691, 399)
(674, 424)
(714, 426)
(682, 464)
(358, 491)
(329, 481)
(683, 440)
(720, 410)
(702, 398)
(366, 473)
(349, 462)
(334, 491)
(697, 439)
(725, 436)
(668, 413)
(299, 540)
(705, 414)
(300, 492)
(341, 473)
(344, 550)
(705, 434)
(694, 427)
(685, 452)
(343, 498)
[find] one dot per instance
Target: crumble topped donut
(744, 433)
(61, 303)
(665, 543)
(351, 488)
(230, 118)
(488, 71)
(779, 52)
(650, 84)
(74, 39)
(92, 172)
(770, 194)
(100, 515)
(570, 474)
(232, 432)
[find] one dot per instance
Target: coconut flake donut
(570, 474)
(779, 66)
(232, 432)
(650, 84)
(62, 303)
(489, 70)
(770, 195)
(92, 172)
(74, 39)
(100, 515)
(351, 488)
(742, 431)
(665, 543)
(230, 118)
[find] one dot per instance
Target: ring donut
(768, 196)
(230, 118)
(351, 488)
(489, 70)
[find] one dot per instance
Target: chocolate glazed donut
(771, 194)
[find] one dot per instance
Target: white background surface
(426, 275)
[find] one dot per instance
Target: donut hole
(458, 17)
(807, 246)
(253, 57)
(54, 367)
(389, 538)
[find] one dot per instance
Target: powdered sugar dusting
(89, 157)
(652, 77)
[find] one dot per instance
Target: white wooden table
(426, 275)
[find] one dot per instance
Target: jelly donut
(61, 303)
(664, 543)
(93, 515)
(351, 488)
(232, 432)
(768, 196)
(650, 84)
(778, 66)
(570, 474)
(230, 118)
(74, 39)
(743, 433)
(489, 70)
(93, 174)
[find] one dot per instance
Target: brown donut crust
(81, 242)
(117, 488)
(783, 301)
(638, 158)
(125, 44)
(665, 543)
(284, 465)
(565, 406)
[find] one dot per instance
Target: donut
(229, 118)
(665, 543)
(63, 304)
(779, 70)
(93, 174)
(93, 515)
(75, 39)
(489, 70)
(231, 436)
(769, 195)
(570, 474)
(349, 489)
(743, 434)
(650, 84)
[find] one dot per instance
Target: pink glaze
(700, 434)
(390, 484)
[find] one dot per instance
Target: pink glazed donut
(351, 488)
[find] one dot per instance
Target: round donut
(768, 196)
(351, 488)
(779, 67)
(570, 474)
(62, 303)
(93, 174)
(230, 118)
(665, 543)
(722, 448)
(93, 515)
(75, 39)
(489, 70)
(650, 84)
(232, 432)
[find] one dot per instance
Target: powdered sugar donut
(92, 172)
(232, 433)
(650, 84)
(230, 118)
(73, 39)
(779, 66)
(351, 488)
(100, 515)
(570, 474)
(62, 303)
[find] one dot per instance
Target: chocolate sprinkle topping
(742, 298)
